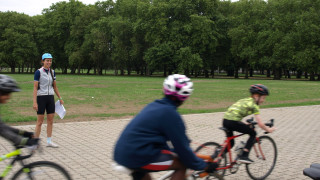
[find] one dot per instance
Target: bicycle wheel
(262, 167)
(42, 170)
(209, 148)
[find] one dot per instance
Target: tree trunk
(73, 70)
(165, 71)
(288, 74)
(212, 72)
(299, 74)
(79, 69)
(206, 73)
(277, 74)
(247, 71)
(268, 73)
(65, 70)
(13, 69)
(236, 73)
(306, 75)
(251, 72)
(312, 76)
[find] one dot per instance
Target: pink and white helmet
(178, 85)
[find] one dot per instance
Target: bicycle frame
(227, 145)
(9, 167)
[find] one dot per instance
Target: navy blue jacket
(147, 134)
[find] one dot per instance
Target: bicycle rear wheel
(209, 148)
(264, 155)
(42, 170)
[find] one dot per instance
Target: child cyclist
(242, 108)
(143, 147)
(16, 136)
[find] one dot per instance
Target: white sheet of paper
(60, 110)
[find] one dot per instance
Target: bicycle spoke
(209, 149)
(264, 156)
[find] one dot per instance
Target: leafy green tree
(59, 19)
(307, 38)
(17, 45)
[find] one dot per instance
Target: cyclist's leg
(141, 175)
(231, 125)
(179, 169)
(243, 128)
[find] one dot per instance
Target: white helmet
(178, 85)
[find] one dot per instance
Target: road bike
(36, 170)
(263, 153)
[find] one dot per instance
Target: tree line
(194, 37)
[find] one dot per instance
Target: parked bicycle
(263, 153)
(36, 170)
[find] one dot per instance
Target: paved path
(86, 147)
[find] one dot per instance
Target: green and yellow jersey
(241, 109)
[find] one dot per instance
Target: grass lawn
(108, 97)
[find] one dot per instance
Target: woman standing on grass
(43, 96)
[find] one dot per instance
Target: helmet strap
(258, 101)
(255, 99)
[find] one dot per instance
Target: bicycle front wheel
(209, 148)
(42, 170)
(264, 155)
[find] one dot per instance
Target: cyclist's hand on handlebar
(270, 130)
(28, 134)
(211, 167)
(32, 142)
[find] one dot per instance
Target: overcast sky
(33, 7)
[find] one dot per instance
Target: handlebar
(31, 150)
(252, 122)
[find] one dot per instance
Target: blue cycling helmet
(46, 56)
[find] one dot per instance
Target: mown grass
(89, 96)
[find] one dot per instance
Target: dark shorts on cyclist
(45, 104)
(240, 127)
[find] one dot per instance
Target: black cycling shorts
(45, 104)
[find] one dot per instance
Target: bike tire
(260, 168)
(42, 170)
(209, 148)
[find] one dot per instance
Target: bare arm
(262, 125)
(57, 91)
(35, 90)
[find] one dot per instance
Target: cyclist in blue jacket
(143, 147)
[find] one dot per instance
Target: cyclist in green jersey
(242, 108)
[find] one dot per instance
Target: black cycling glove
(28, 142)
(33, 141)
(28, 134)
(211, 167)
